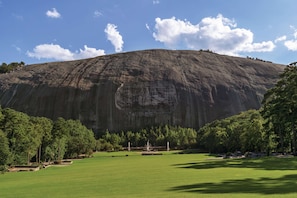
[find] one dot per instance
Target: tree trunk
(294, 138)
(294, 141)
(39, 155)
(28, 160)
(281, 134)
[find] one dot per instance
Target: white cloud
(88, 52)
(147, 26)
(265, 46)
(219, 34)
(56, 52)
(170, 31)
(114, 37)
(53, 13)
(97, 14)
(292, 43)
(281, 38)
(156, 2)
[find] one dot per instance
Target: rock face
(136, 89)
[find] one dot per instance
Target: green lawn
(168, 175)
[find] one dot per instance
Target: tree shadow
(266, 163)
(266, 186)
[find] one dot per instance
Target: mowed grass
(168, 175)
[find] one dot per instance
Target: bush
(3, 169)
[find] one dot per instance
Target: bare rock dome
(137, 89)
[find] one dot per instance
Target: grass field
(168, 175)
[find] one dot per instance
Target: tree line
(24, 138)
(178, 137)
(243, 132)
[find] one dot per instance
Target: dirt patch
(23, 168)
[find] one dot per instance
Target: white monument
(148, 145)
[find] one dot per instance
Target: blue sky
(44, 31)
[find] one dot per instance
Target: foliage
(179, 138)
(242, 132)
(5, 68)
(280, 110)
(43, 127)
(4, 151)
(24, 139)
(80, 139)
(19, 131)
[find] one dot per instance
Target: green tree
(239, 132)
(80, 140)
(43, 129)
(19, 130)
(103, 145)
(60, 135)
(280, 107)
(171, 135)
(252, 136)
(4, 149)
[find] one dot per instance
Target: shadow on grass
(266, 186)
(267, 163)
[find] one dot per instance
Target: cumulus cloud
(171, 31)
(56, 52)
(114, 37)
(219, 34)
(292, 43)
(88, 52)
(53, 13)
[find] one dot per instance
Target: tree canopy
(280, 109)
(24, 138)
(242, 132)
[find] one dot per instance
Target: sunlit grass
(128, 174)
